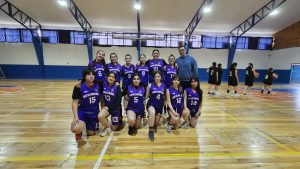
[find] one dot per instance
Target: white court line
(99, 160)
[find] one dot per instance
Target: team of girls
(215, 74)
(89, 94)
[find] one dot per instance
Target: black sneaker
(269, 93)
(262, 91)
(151, 135)
(134, 131)
(130, 130)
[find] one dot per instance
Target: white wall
(65, 54)
(18, 53)
(76, 55)
(283, 58)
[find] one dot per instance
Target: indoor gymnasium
(149, 84)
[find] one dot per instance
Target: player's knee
(76, 129)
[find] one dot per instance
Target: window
(265, 43)
(26, 36)
(77, 37)
(222, 42)
(196, 41)
(2, 35)
(51, 36)
(242, 43)
(12, 35)
(209, 41)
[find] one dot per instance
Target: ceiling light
(137, 6)
(62, 3)
(274, 12)
(207, 9)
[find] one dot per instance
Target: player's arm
(75, 100)
(119, 99)
(172, 111)
(236, 75)
(200, 105)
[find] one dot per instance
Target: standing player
(233, 79)
(127, 72)
(98, 65)
(193, 100)
(114, 66)
(170, 70)
(220, 74)
(85, 106)
(175, 100)
(111, 98)
(155, 64)
(143, 71)
(268, 81)
(249, 78)
(135, 110)
(156, 93)
(212, 78)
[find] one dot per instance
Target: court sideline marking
(101, 156)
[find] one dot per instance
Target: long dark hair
(233, 65)
(86, 72)
(157, 72)
(111, 73)
(140, 58)
(176, 77)
(134, 75)
(113, 53)
(173, 57)
(270, 70)
(198, 89)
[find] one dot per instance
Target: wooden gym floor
(257, 131)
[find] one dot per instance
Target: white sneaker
(185, 125)
(236, 95)
(169, 128)
(105, 132)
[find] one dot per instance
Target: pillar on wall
(38, 47)
(89, 43)
(231, 53)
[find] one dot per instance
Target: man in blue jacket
(187, 67)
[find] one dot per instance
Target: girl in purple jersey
(135, 109)
(143, 70)
(127, 72)
(156, 94)
(193, 100)
(111, 97)
(98, 65)
(85, 106)
(170, 70)
(176, 106)
(114, 66)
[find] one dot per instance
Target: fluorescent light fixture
(62, 3)
(137, 6)
(274, 12)
(207, 9)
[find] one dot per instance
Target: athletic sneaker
(151, 135)
(236, 94)
(169, 128)
(262, 91)
(184, 125)
(105, 132)
(130, 130)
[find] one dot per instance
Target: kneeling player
(85, 114)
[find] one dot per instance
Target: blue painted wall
(74, 72)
